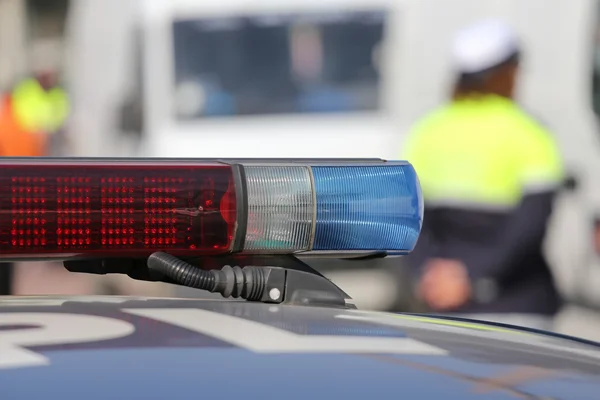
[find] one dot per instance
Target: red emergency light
(67, 208)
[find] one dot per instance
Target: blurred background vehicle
(307, 78)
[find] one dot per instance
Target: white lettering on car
(31, 329)
(52, 329)
(261, 338)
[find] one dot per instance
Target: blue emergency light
(61, 208)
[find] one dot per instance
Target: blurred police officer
(489, 174)
(32, 111)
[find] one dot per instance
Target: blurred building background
(110, 93)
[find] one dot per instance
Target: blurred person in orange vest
(35, 109)
(37, 105)
(40, 105)
(16, 139)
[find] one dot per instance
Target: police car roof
(124, 347)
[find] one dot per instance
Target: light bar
(62, 208)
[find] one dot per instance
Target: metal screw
(274, 294)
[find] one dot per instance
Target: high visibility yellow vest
(38, 110)
(484, 151)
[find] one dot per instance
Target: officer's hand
(445, 285)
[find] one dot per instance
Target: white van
(323, 78)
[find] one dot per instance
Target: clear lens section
(280, 208)
(367, 208)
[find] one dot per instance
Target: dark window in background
(46, 17)
(276, 64)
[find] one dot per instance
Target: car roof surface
(102, 347)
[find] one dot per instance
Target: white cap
(483, 45)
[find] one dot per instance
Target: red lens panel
(115, 210)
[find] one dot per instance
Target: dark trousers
(6, 278)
